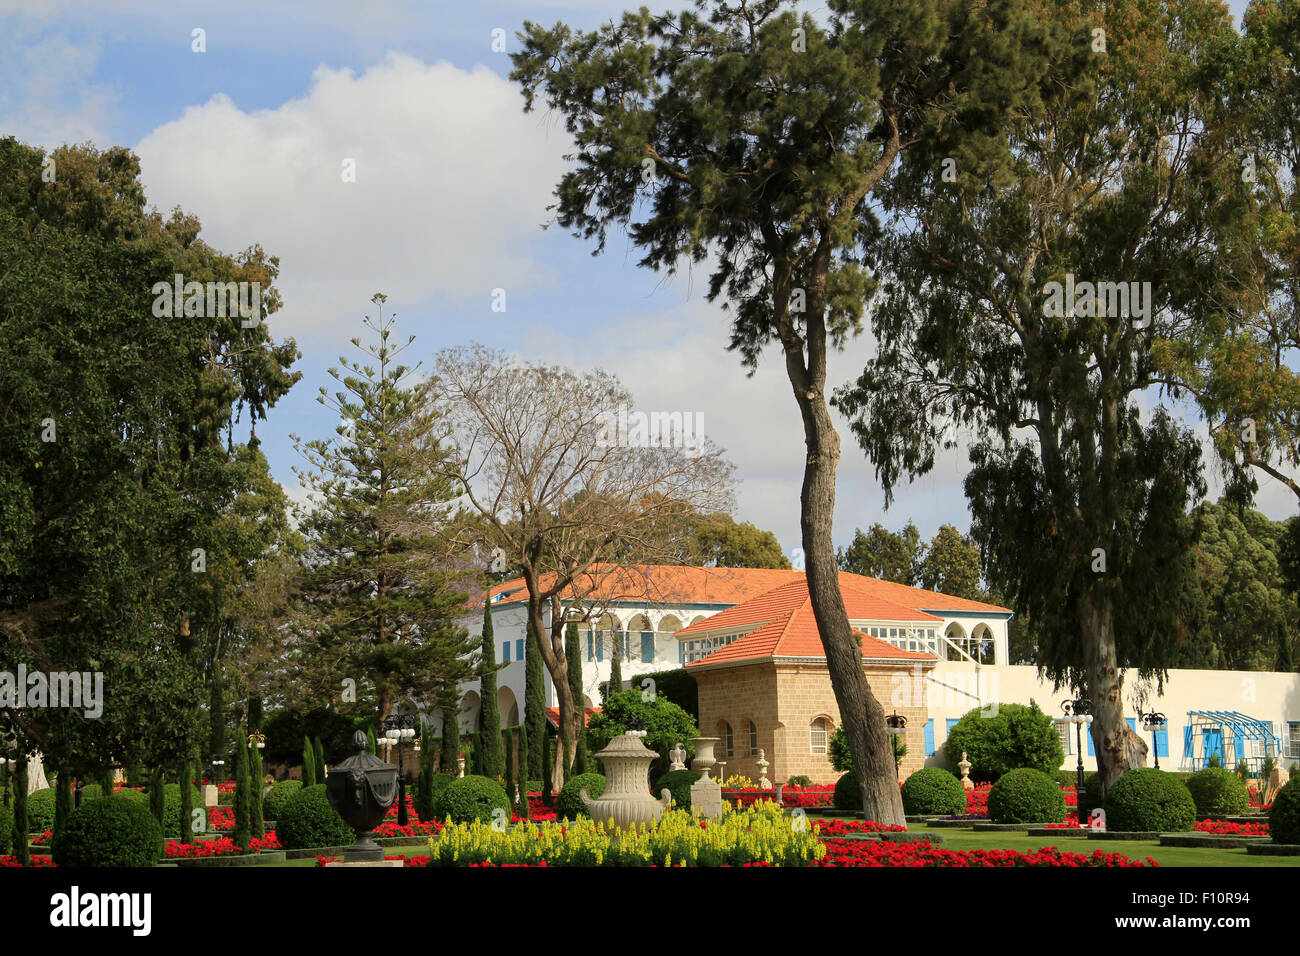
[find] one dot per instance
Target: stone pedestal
(706, 799)
(210, 798)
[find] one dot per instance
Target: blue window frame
(681, 652)
(647, 647)
(951, 723)
(590, 645)
(505, 651)
(1132, 725)
(929, 737)
(519, 649)
(1162, 741)
(600, 650)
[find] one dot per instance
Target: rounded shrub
(569, 805)
(933, 790)
(6, 831)
(277, 799)
(470, 798)
(1284, 818)
(1218, 793)
(799, 780)
(678, 783)
(308, 820)
(1146, 799)
(848, 795)
(1026, 796)
(111, 831)
(172, 807)
(995, 743)
(40, 810)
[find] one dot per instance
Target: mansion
(749, 639)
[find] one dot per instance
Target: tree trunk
(551, 647)
(861, 714)
(1113, 741)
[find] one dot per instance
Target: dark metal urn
(361, 789)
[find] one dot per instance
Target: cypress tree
(187, 804)
(372, 742)
(318, 752)
(546, 771)
(491, 760)
(157, 795)
(450, 740)
(521, 747)
(572, 650)
(106, 782)
(534, 704)
(256, 825)
(242, 802)
(62, 799)
(308, 764)
(511, 792)
(615, 673)
(22, 852)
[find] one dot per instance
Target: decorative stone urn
(361, 789)
(964, 766)
(704, 759)
(627, 800)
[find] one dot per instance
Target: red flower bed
(410, 810)
(226, 786)
(225, 846)
(221, 818)
(413, 829)
(12, 861)
(538, 811)
(835, 828)
(42, 839)
(1067, 825)
(922, 853)
(1224, 828)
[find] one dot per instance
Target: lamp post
(897, 727)
(1079, 713)
(399, 728)
(1154, 722)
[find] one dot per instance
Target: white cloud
(47, 97)
(452, 179)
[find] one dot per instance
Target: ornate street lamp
(897, 727)
(398, 729)
(1154, 722)
(257, 740)
(1079, 713)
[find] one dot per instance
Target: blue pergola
(1232, 735)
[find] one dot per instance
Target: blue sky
(450, 194)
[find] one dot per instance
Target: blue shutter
(590, 652)
(1087, 735)
(1238, 747)
(681, 653)
(929, 737)
(519, 649)
(1187, 742)
(505, 651)
(600, 650)
(951, 723)
(1162, 741)
(647, 647)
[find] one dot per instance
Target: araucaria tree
(1039, 290)
(380, 602)
(754, 138)
(564, 495)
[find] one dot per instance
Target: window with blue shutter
(951, 723)
(1187, 742)
(647, 647)
(929, 737)
(519, 649)
(505, 651)
(600, 650)
(590, 644)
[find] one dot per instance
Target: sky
(452, 180)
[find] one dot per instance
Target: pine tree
(157, 795)
(318, 752)
(242, 802)
(381, 599)
(491, 760)
(22, 852)
(187, 804)
(308, 764)
(62, 799)
(572, 650)
(534, 703)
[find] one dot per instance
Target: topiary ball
(471, 798)
(111, 831)
(277, 798)
(848, 795)
(933, 790)
(1026, 796)
(1284, 818)
(40, 810)
(799, 780)
(1218, 793)
(1146, 799)
(678, 783)
(308, 820)
(569, 805)
(172, 807)
(6, 831)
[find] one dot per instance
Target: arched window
(728, 740)
(753, 740)
(819, 732)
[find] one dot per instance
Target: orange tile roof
(553, 714)
(788, 628)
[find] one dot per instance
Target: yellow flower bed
(763, 833)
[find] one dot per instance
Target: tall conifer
(490, 758)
